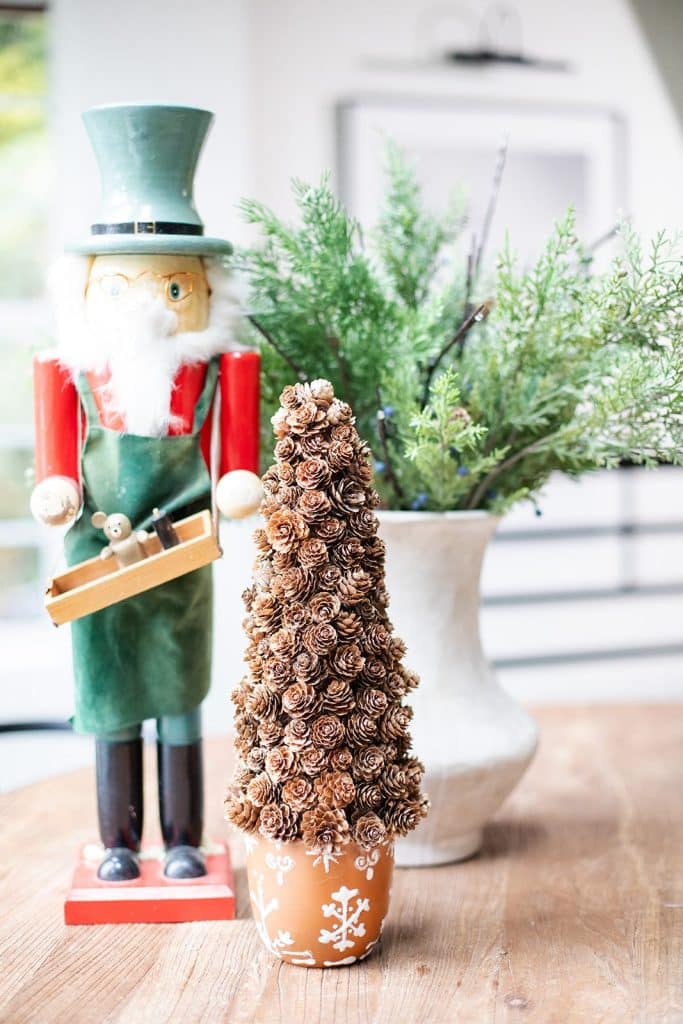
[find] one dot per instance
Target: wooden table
(573, 911)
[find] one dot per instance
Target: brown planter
(317, 911)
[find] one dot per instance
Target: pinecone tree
(321, 730)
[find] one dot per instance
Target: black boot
(181, 808)
(119, 807)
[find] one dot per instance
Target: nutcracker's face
(118, 285)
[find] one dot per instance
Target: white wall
(305, 55)
(170, 51)
(272, 71)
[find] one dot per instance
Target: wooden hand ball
(239, 494)
(55, 500)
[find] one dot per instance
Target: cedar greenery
(470, 393)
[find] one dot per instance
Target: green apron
(150, 655)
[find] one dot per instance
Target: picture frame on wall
(557, 155)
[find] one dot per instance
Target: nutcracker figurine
(144, 374)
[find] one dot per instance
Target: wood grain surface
(573, 912)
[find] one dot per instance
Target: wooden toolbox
(98, 583)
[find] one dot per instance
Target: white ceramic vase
(473, 739)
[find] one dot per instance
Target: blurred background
(584, 603)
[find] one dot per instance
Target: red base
(151, 898)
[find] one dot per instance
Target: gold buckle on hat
(145, 227)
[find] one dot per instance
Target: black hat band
(147, 227)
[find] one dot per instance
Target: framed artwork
(557, 154)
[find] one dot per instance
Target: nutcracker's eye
(114, 285)
(178, 287)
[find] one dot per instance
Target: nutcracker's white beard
(142, 349)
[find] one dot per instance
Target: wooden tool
(97, 583)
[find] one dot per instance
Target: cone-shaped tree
(321, 730)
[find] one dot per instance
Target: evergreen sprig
(470, 396)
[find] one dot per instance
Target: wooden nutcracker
(126, 412)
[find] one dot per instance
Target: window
(24, 324)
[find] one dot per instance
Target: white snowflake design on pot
(250, 842)
(353, 959)
(279, 946)
(367, 863)
(325, 858)
(348, 922)
(281, 865)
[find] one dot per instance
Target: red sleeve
(56, 411)
(239, 391)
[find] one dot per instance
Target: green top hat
(147, 155)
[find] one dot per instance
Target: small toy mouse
(124, 545)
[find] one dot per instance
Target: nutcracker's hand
(55, 501)
(239, 494)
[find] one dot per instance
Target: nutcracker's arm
(56, 497)
(239, 490)
(239, 387)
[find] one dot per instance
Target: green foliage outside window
(24, 191)
(24, 165)
(470, 391)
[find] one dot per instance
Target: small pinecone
(269, 732)
(395, 722)
(341, 759)
(301, 700)
(297, 734)
(349, 626)
(369, 831)
(368, 795)
(361, 730)
(299, 793)
(261, 703)
(404, 815)
(243, 775)
(327, 732)
(338, 698)
(414, 770)
(395, 783)
(368, 764)
(280, 764)
(324, 830)
(278, 821)
(241, 812)
(260, 790)
(314, 760)
(335, 789)
(238, 696)
(256, 759)
(324, 607)
(372, 703)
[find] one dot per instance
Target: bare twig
(384, 441)
(476, 316)
(264, 332)
(603, 239)
(490, 208)
(507, 463)
(469, 279)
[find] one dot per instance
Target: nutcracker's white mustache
(142, 349)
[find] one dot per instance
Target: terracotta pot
(474, 740)
(316, 911)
